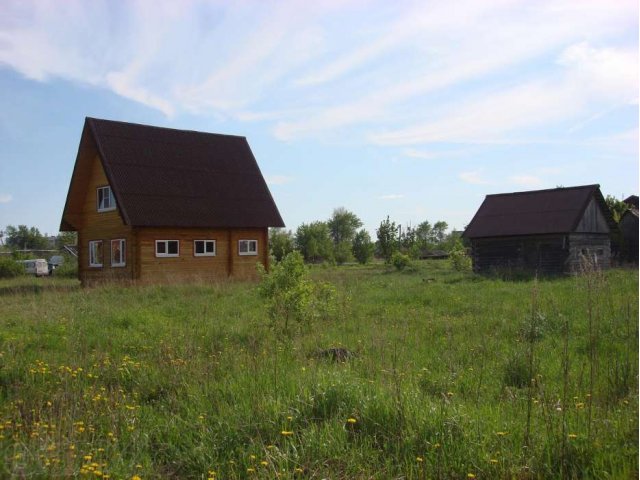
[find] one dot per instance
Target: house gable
(593, 219)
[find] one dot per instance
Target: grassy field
(454, 376)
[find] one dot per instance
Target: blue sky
(414, 110)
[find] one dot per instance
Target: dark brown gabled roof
(163, 177)
(538, 212)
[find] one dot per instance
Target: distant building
(155, 205)
(543, 231)
(629, 229)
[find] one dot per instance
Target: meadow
(451, 376)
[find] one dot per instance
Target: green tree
(24, 237)
(280, 242)
(617, 207)
(66, 238)
(439, 231)
(362, 247)
(314, 242)
(342, 252)
(387, 235)
(343, 225)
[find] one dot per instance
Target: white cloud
(474, 178)
(391, 196)
(526, 180)
(5, 197)
(278, 179)
(411, 73)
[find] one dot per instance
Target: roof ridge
(590, 186)
(154, 127)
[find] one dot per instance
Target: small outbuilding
(558, 230)
(159, 205)
(629, 230)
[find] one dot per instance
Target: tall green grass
(455, 376)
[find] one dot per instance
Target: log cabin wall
(187, 267)
(102, 226)
(539, 253)
(588, 251)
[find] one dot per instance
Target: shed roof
(537, 212)
(164, 177)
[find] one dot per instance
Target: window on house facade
(106, 201)
(204, 248)
(95, 253)
(118, 253)
(247, 247)
(167, 248)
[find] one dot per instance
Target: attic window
(106, 202)
(247, 247)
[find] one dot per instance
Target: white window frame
(112, 200)
(166, 248)
(205, 253)
(248, 249)
(123, 252)
(93, 253)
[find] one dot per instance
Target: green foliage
(387, 235)
(343, 225)
(314, 242)
(280, 243)
(292, 296)
(400, 261)
(9, 268)
(66, 238)
(23, 237)
(178, 381)
(342, 252)
(69, 269)
(460, 260)
(363, 247)
(617, 207)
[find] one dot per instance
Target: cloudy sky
(414, 110)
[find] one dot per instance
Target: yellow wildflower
(286, 433)
(572, 436)
(351, 420)
(471, 475)
(419, 459)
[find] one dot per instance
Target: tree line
(30, 238)
(341, 239)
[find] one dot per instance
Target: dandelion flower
(572, 436)
(471, 475)
(351, 420)
(493, 460)
(264, 463)
(286, 433)
(419, 459)
(136, 477)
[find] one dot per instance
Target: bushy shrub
(460, 260)
(9, 268)
(292, 296)
(400, 261)
(69, 269)
(363, 247)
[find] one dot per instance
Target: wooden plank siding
(588, 251)
(539, 253)
(190, 268)
(105, 226)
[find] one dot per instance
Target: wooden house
(629, 231)
(545, 231)
(159, 205)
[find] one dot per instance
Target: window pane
(199, 246)
(253, 246)
(161, 247)
(209, 246)
(243, 247)
(172, 247)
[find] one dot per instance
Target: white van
(38, 267)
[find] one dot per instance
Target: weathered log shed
(629, 229)
(543, 231)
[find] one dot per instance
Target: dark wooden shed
(558, 230)
(629, 230)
